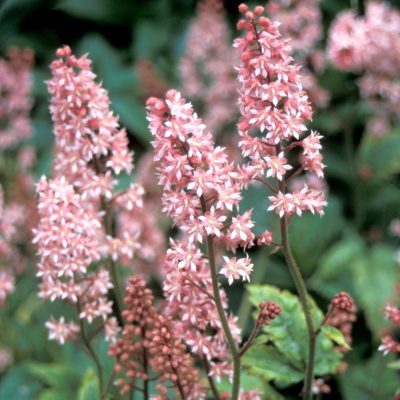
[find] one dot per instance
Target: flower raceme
(201, 186)
(78, 207)
(15, 101)
(274, 110)
(201, 190)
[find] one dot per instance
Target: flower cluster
(371, 44)
(15, 101)
(130, 350)
(17, 203)
(77, 209)
(388, 344)
(200, 192)
(68, 241)
(272, 102)
(206, 69)
(90, 146)
(201, 186)
(342, 301)
(12, 235)
(168, 356)
(268, 312)
(61, 331)
(342, 315)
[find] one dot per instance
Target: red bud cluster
(342, 301)
(268, 311)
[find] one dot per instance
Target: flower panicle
(274, 112)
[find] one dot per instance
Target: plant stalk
(225, 325)
(221, 312)
(303, 295)
(91, 351)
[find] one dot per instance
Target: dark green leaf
(370, 380)
(19, 384)
(335, 270)
(55, 375)
(380, 156)
(311, 234)
(376, 276)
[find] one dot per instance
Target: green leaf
(380, 156)
(369, 380)
(394, 364)
(55, 375)
(133, 115)
(54, 394)
(255, 197)
(336, 335)
(288, 332)
(149, 40)
(335, 268)
(289, 325)
(270, 364)
(116, 12)
(251, 382)
(18, 384)
(375, 278)
(311, 234)
(89, 389)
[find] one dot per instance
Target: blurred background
(142, 48)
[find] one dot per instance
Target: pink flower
(7, 283)
(15, 100)
(239, 232)
(392, 314)
(277, 166)
(212, 222)
(61, 331)
(235, 269)
(297, 202)
(389, 345)
(286, 204)
(111, 329)
(264, 238)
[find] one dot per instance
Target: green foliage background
(349, 249)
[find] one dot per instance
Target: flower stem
(221, 312)
(211, 382)
(250, 340)
(91, 351)
(145, 368)
(303, 295)
(225, 325)
(117, 290)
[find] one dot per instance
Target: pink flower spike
(236, 269)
